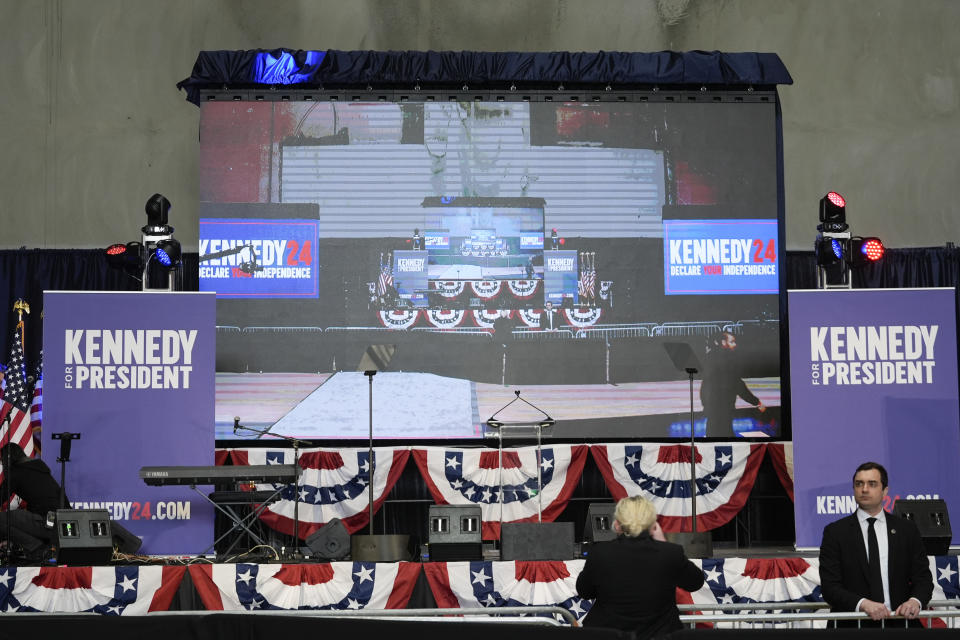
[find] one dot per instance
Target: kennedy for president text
(128, 358)
(858, 355)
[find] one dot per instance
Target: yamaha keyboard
(259, 473)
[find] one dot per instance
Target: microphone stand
(296, 476)
(66, 439)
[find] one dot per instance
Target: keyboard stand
(224, 501)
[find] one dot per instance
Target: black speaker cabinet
(84, 537)
(932, 520)
(454, 523)
(537, 541)
(455, 532)
(329, 542)
(599, 524)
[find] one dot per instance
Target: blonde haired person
(633, 579)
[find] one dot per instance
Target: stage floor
(423, 406)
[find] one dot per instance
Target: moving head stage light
(837, 251)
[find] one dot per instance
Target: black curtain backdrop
(26, 273)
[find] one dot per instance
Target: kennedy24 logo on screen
(708, 257)
(241, 258)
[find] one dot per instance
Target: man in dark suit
(548, 320)
(873, 561)
(634, 578)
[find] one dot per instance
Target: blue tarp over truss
(479, 70)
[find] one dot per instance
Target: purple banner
(873, 376)
(708, 257)
(133, 373)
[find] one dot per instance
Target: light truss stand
(150, 238)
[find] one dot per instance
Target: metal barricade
(684, 329)
(545, 615)
(227, 329)
(283, 329)
(458, 331)
(608, 331)
(540, 334)
(362, 330)
(782, 616)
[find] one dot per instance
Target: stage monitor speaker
(454, 523)
(455, 532)
(537, 541)
(932, 520)
(329, 542)
(599, 524)
(84, 537)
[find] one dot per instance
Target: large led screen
(562, 250)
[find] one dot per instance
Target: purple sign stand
(873, 376)
(133, 373)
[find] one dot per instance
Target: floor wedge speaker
(84, 537)
(329, 542)
(599, 524)
(932, 520)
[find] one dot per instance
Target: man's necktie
(873, 562)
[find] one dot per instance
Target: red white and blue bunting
(334, 585)
(472, 585)
(334, 480)
(112, 591)
(333, 484)
(946, 577)
(725, 473)
(472, 476)
(740, 580)
(135, 590)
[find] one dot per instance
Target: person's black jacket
(843, 564)
(33, 482)
(634, 582)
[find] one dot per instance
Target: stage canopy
(479, 70)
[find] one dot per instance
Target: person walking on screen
(721, 386)
(548, 321)
(634, 578)
(873, 561)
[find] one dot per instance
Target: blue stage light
(284, 67)
(837, 248)
(163, 258)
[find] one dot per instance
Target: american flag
(582, 283)
(590, 286)
(15, 409)
(36, 406)
(385, 280)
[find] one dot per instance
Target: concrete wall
(92, 123)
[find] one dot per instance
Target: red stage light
(116, 249)
(563, 240)
(864, 251)
(873, 249)
(836, 199)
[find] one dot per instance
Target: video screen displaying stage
(551, 248)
